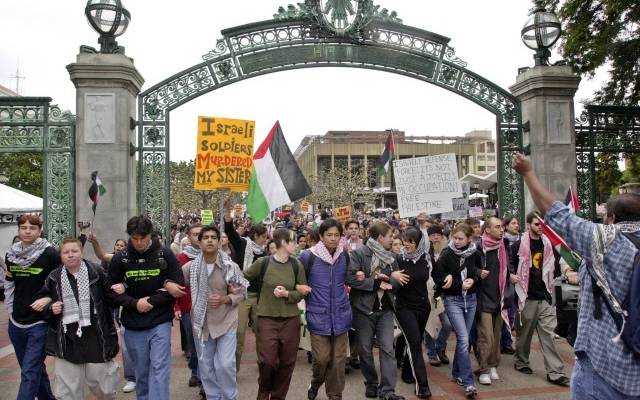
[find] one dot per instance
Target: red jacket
(183, 303)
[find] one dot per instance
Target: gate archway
(321, 33)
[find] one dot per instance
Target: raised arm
(97, 249)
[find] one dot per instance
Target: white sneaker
(484, 379)
(494, 374)
(129, 387)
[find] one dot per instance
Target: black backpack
(628, 325)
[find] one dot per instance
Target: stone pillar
(106, 89)
(546, 94)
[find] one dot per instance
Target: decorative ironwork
(310, 35)
(31, 124)
(610, 129)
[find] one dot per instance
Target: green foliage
(632, 171)
(603, 33)
(608, 175)
(24, 171)
(339, 187)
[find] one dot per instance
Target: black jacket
(240, 246)
(449, 264)
(99, 288)
(144, 275)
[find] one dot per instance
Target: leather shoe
(371, 392)
(194, 381)
(408, 379)
(391, 396)
(562, 381)
(524, 370)
(443, 357)
(507, 350)
(312, 392)
(355, 363)
(424, 393)
(434, 360)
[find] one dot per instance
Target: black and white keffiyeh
(191, 252)
(422, 248)
(199, 282)
(463, 254)
(252, 250)
(76, 310)
(26, 256)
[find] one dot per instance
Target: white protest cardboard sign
(426, 184)
(460, 205)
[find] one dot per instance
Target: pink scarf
(490, 243)
(524, 265)
(320, 251)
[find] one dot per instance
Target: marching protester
(278, 318)
(535, 261)
(413, 307)
(456, 274)
(140, 274)
(512, 235)
(29, 262)
(352, 239)
(491, 313)
(213, 277)
(82, 335)
(103, 256)
(182, 308)
(328, 311)
(607, 363)
(247, 250)
(373, 276)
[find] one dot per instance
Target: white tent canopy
(14, 201)
(485, 182)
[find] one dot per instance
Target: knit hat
(434, 229)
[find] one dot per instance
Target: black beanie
(434, 229)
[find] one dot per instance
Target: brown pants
(489, 331)
(329, 358)
(277, 342)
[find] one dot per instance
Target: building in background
(359, 151)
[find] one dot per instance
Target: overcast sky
(166, 37)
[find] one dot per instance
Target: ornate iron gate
(355, 34)
(610, 129)
(31, 124)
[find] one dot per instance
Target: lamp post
(110, 19)
(541, 31)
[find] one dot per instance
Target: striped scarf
(26, 256)
(76, 310)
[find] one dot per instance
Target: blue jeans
(185, 320)
(28, 344)
(127, 362)
(150, 351)
(586, 384)
(461, 316)
(217, 361)
(440, 343)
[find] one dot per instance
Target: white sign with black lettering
(426, 184)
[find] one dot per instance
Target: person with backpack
(328, 311)
(140, 274)
(534, 259)
(277, 279)
(607, 345)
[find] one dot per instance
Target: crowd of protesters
(334, 289)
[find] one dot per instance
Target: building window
(491, 158)
(491, 168)
(481, 168)
(324, 164)
(480, 157)
(481, 148)
(491, 147)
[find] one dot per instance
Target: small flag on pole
(96, 190)
(571, 200)
(276, 179)
(387, 156)
(569, 256)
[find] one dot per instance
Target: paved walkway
(513, 385)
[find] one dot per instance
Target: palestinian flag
(387, 156)
(276, 179)
(96, 190)
(572, 201)
(572, 259)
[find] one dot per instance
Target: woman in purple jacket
(328, 310)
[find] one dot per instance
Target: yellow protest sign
(304, 206)
(224, 154)
(343, 214)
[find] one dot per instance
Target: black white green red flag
(276, 179)
(558, 243)
(387, 156)
(571, 200)
(96, 190)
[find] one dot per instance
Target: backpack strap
(264, 265)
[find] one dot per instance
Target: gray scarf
(26, 256)
(603, 235)
(250, 251)
(76, 310)
(199, 282)
(191, 252)
(381, 256)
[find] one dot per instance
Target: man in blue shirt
(604, 368)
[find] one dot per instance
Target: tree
(608, 175)
(185, 200)
(339, 187)
(603, 33)
(24, 171)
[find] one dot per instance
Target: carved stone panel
(558, 122)
(99, 118)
